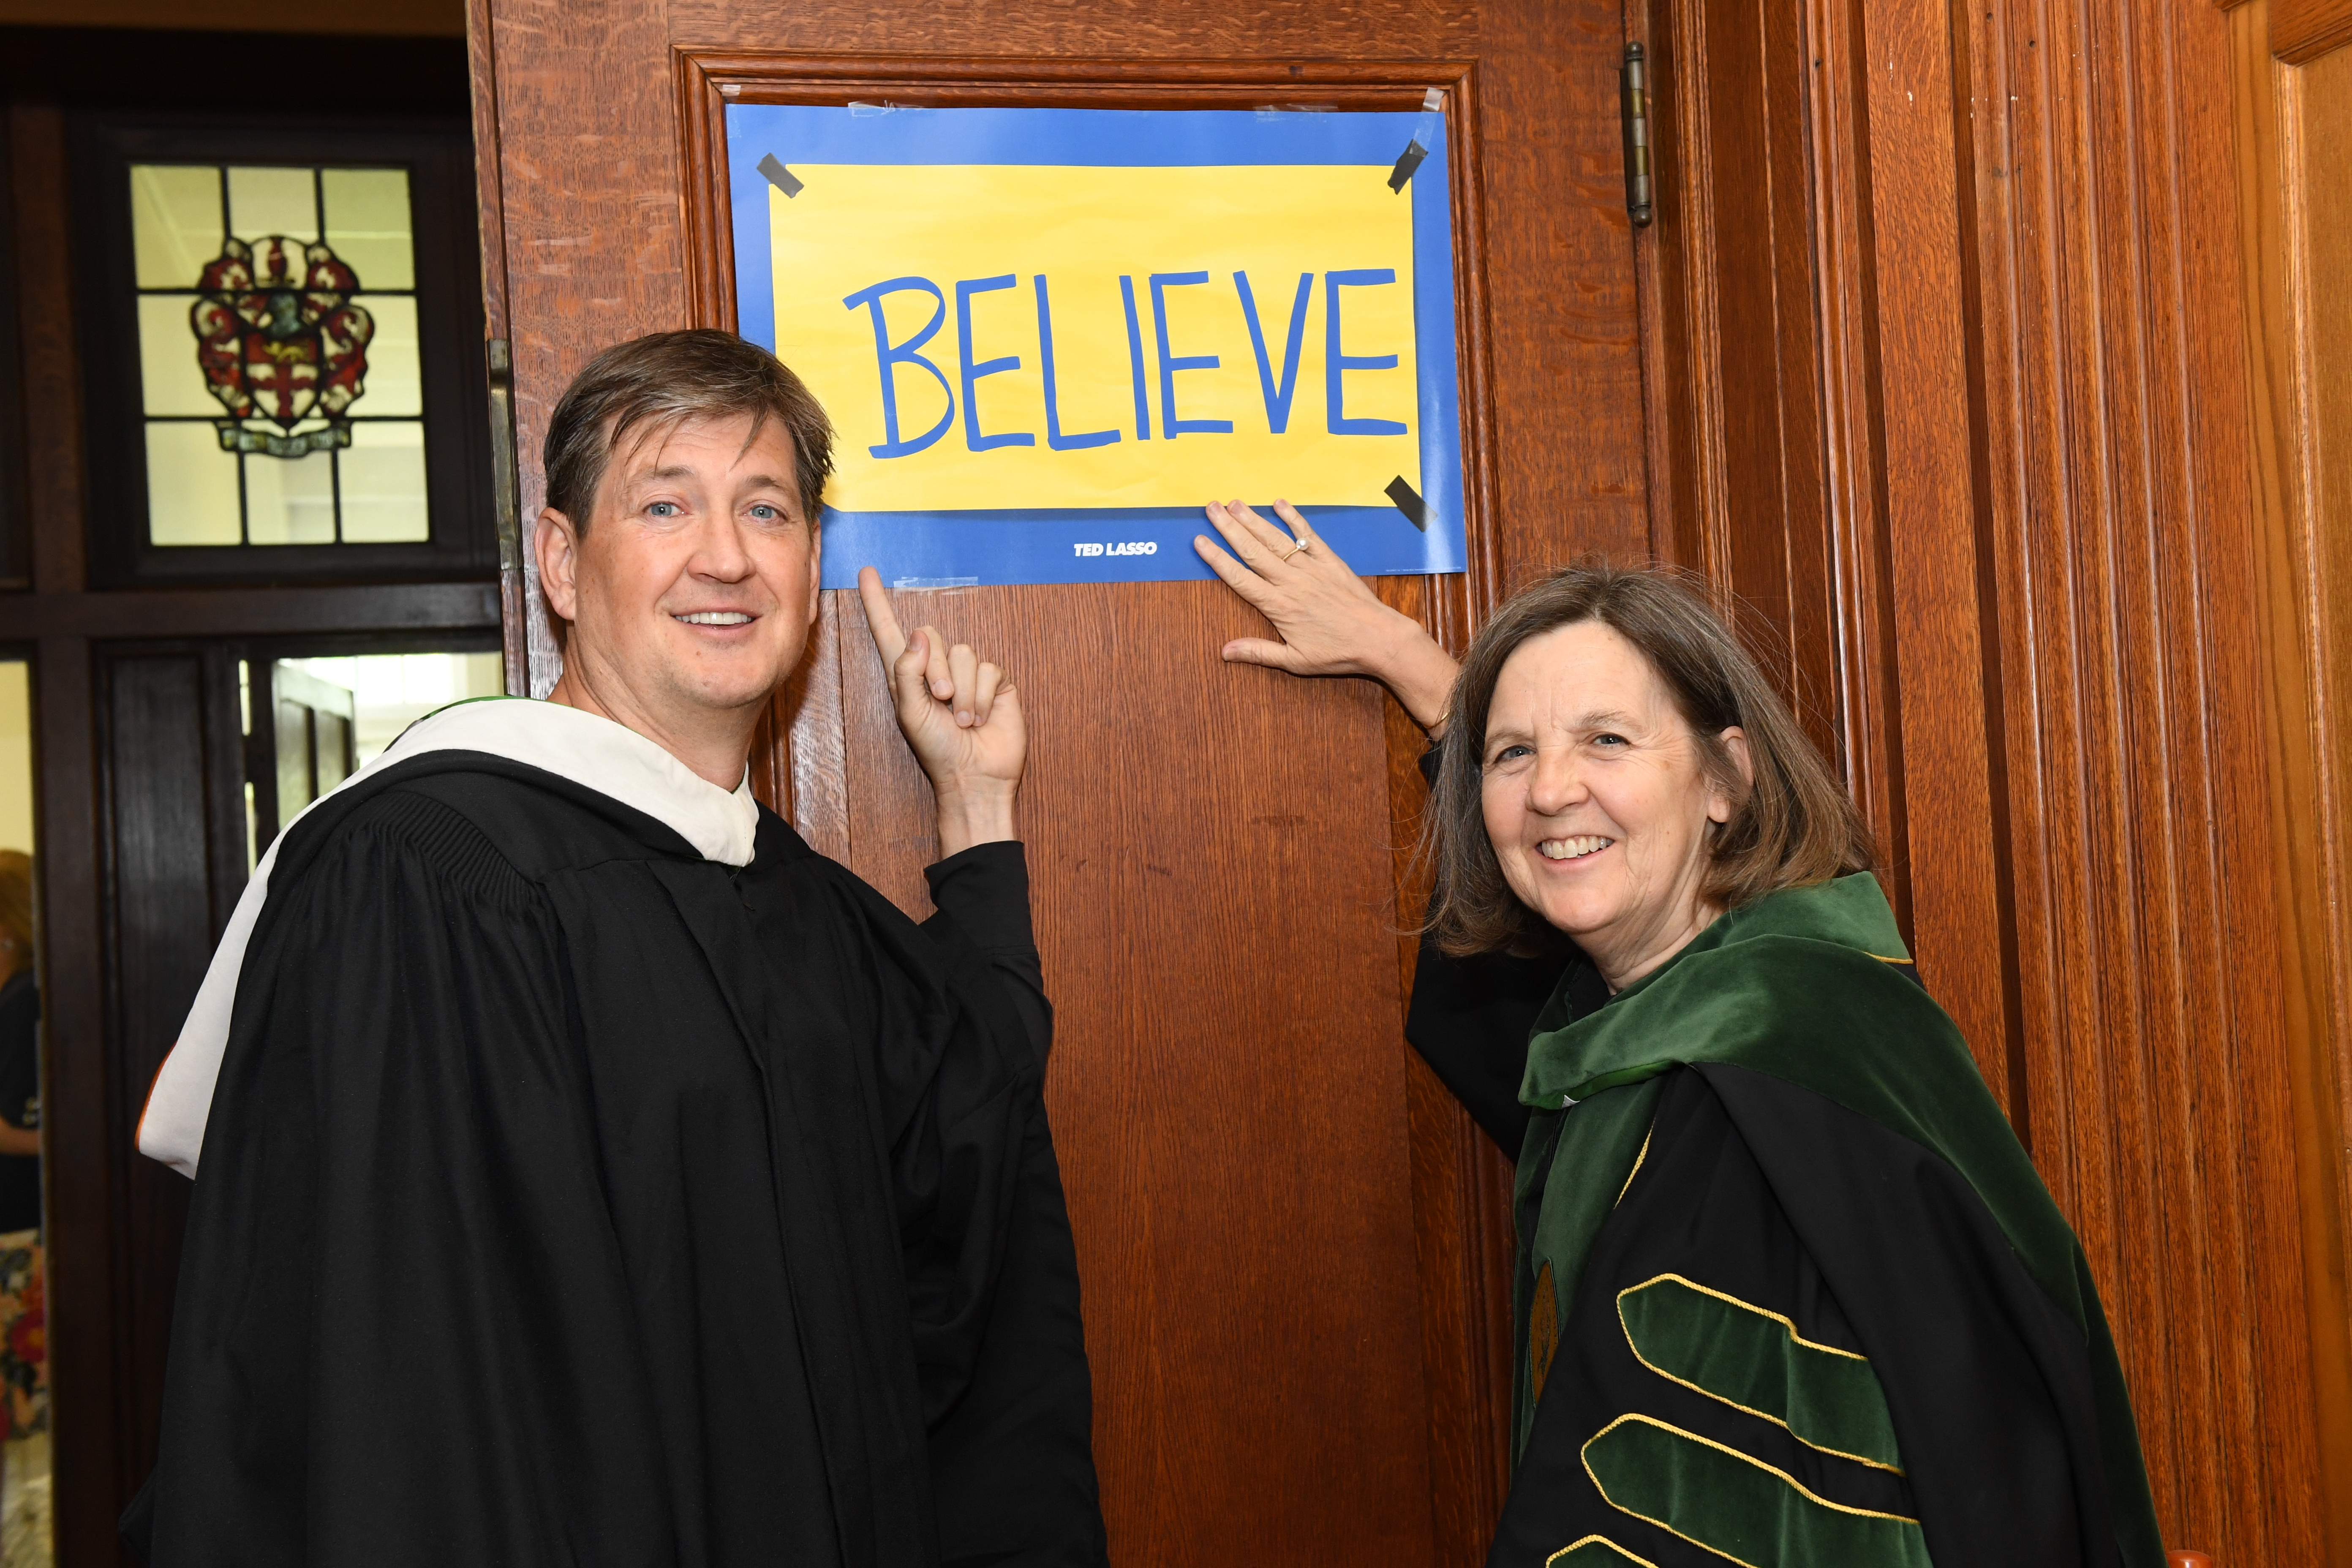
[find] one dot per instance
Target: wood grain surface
(1761, 371)
(1295, 1243)
(2116, 520)
(1919, 263)
(2293, 143)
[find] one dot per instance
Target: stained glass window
(282, 394)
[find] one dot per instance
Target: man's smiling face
(694, 587)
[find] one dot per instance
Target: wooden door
(313, 741)
(1293, 1242)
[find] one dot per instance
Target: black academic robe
(1787, 1291)
(570, 1199)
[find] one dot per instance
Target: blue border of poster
(966, 547)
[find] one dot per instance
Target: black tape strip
(783, 179)
(1408, 501)
(1407, 162)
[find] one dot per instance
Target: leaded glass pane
(383, 484)
(191, 485)
(170, 381)
(368, 225)
(394, 383)
(263, 201)
(289, 500)
(175, 223)
(280, 358)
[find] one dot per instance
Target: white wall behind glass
(15, 758)
(391, 691)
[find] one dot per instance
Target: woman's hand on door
(1328, 621)
(960, 716)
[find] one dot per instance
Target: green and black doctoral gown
(570, 1198)
(1790, 1292)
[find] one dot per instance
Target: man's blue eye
(765, 514)
(663, 508)
(1608, 740)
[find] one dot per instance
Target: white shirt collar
(568, 743)
(609, 758)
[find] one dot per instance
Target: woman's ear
(557, 544)
(1734, 741)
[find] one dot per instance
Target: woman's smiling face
(1597, 798)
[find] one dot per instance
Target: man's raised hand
(961, 717)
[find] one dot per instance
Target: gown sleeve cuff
(986, 891)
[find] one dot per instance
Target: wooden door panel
(175, 847)
(1294, 1243)
(1227, 1087)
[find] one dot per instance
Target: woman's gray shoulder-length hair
(1794, 826)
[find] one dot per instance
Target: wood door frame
(1460, 1184)
(2306, 592)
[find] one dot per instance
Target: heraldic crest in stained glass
(281, 342)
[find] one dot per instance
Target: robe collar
(568, 743)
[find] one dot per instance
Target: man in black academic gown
(590, 1172)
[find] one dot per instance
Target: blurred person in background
(20, 1051)
(24, 1352)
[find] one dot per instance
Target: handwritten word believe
(1277, 391)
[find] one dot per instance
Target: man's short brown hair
(655, 383)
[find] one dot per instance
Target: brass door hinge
(506, 499)
(1635, 84)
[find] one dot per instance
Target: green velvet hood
(1808, 984)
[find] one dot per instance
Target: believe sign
(1047, 337)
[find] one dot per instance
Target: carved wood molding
(2303, 30)
(2293, 154)
(1767, 474)
(2083, 258)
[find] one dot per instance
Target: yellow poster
(1047, 337)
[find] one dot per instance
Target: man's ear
(1735, 740)
(556, 542)
(816, 570)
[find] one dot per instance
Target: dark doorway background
(140, 747)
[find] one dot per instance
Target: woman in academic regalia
(1788, 1290)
